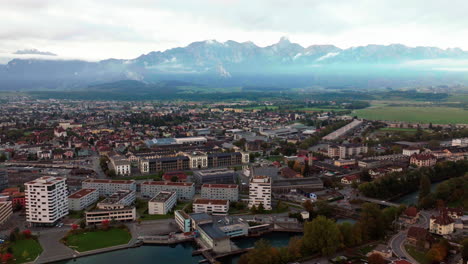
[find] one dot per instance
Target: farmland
(413, 114)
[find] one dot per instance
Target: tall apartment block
(260, 192)
(46, 200)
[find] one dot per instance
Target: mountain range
(231, 63)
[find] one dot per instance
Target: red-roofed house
(442, 224)
(181, 176)
(410, 215)
(349, 179)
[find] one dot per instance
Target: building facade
(108, 187)
(228, 192)
(184, 190)
(83, 198)
(6, 209)
(46, 200)
(260, 192)
(162, 203)
(211, 206)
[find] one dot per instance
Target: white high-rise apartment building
(260, 192)
(46, 200)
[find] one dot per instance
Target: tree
(365, 176)
(105, 224)
(306, 168)
(262, 253)
(376, 259)
(322, 235)
(253, 209)
(261, 209)
(371, 218)
(174, 178)
(27, 233)
(324, 208)
(464, 250)
(308, 206)
(424, 187)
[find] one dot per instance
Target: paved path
(53, 249)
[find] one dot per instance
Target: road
(397, 243)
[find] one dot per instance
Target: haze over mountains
(227, 64)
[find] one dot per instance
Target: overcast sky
(101, 29)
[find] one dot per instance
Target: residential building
(220, 191)
(409, 151)
(418, 236)
(218, 176)
(442, 224)
(46, 200)
(179, 175)
(349, 179)
(83, 198)
(121, 165)
(3, 179)
(184, 190)
(117, 207)
(410, 216)
(211, 206)
(197, 160)
(351, 150)
(260, 192)
(108, 187)
(183, 221)
(382, 250)
(6, 209)
(423, 160)
(162, 203)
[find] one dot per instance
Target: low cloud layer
(34, 52)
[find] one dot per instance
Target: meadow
(413, 114)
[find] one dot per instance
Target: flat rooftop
(162, 197)
(186, 184)
(226, 186)
(81, 193)
(214, 232)
(211, 201)
(110, 181)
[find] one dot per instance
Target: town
(80, 178)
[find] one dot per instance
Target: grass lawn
(435, 115)
(76, 214)
(31, 246)
(98, 239)
(397, 129)
(418, 255)
(275, 158)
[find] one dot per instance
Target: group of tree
(399, 183)
(451, 191)
(438, 251)
(323, 236)
(104, 164)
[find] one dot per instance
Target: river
(412, 198)
(179, 254)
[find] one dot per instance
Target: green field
(98, 239)
(435, 115)
(397, 129)
(30, 246)
(417, 254)
(318, 109)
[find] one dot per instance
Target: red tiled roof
(211, 201)
(168, 183)
(81, 193)
(411, 211)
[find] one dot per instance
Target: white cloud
(92, 30)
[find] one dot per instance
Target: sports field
(435, 115)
